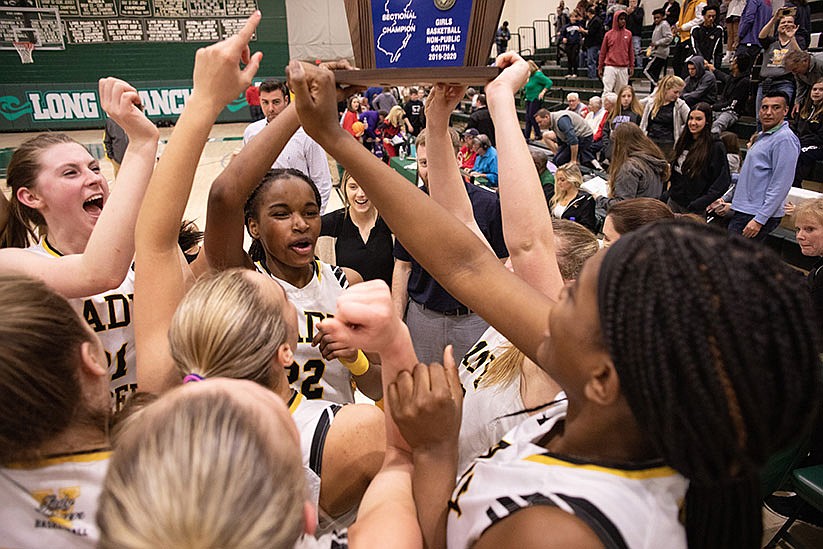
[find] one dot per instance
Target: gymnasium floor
(216, 154)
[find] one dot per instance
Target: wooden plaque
(403, 42)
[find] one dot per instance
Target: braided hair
(250, 210)
(713, 341)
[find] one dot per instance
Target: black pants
(654, 68)
(531, 124)
(573, 55)
(682, 51)
(809, 156)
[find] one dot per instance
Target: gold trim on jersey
(640, 474)
(49, 248)
(294, 402)
(99, 455)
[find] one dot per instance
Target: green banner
(50, 107)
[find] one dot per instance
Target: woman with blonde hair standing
(665, 114)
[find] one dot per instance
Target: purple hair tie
(193, 377)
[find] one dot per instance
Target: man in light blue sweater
(766, 177)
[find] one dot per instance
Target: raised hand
(315, 96)
(441, 102)
(514, 76)
(365, 319)
(217, 73)
(122, 104)
(427, 404)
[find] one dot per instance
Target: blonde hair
(574, 245)
(811, 209)
(395, 116)
(635, 106)
(667, 83)
(202, 467)
(574, 176)
(533, 68)
(225, 327)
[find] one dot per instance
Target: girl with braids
(665, 114)
(655, 415)
(237, 323)
(281, 211)
(54, 386)
(700, 169)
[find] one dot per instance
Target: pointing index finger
(248, 29)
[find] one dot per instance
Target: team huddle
(622, 397)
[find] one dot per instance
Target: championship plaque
(405, 42)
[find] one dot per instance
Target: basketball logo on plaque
(400, 42)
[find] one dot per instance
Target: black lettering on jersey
(118, 316)
(478, 357)
(119, 362)
(123, 309)
(502, 445)
(462, 487)
(293, 372)
(121, 394)
(91, 316)
(479, 346)
(312, 317)
(311, 387)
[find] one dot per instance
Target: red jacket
(616, 50)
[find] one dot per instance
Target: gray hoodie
(661, 38)
(700, 87)
(641, 175)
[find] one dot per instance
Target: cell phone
(788, 12)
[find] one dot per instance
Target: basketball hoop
(25, 50)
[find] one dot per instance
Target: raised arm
(445, 182)
(110, 250)
(527, 223)
(223, 243)
(160, 281)
(448, 250)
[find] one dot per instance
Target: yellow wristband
(359, 365)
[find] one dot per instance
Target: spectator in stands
(371, 93)
(773, 74)
(638, 168)
(634, 22)
(616, 62)
(352, 113)
(596, 113)
(609, 106)
(536, 87)
(628, 109)
(485, 165)
(253, 99)
(502, 37)
(384, 101)
(803, 18)
(658, 51)
(541, 161)
(755, 16)
(301, 152)
(466, 156)
(671, 12)
(809, 222)
(733, 13)
(569, 200)
(574, 104)
(571, 38)
(700, 170)
(732, 144)
(393, 131)
(809, 130)
(561, 20)
(593, 33)
(573, 137)
(732, 102)
(691, 16)
(807, 69)
(700, 85)
(415, 114)
(481, 120)
(665, 114)
(707, 38)
(766, 178)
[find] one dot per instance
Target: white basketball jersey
(634, 507)
(486, 409)
(109, 314)
(52, 502)
(310, 374)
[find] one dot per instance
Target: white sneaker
(727, 58)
